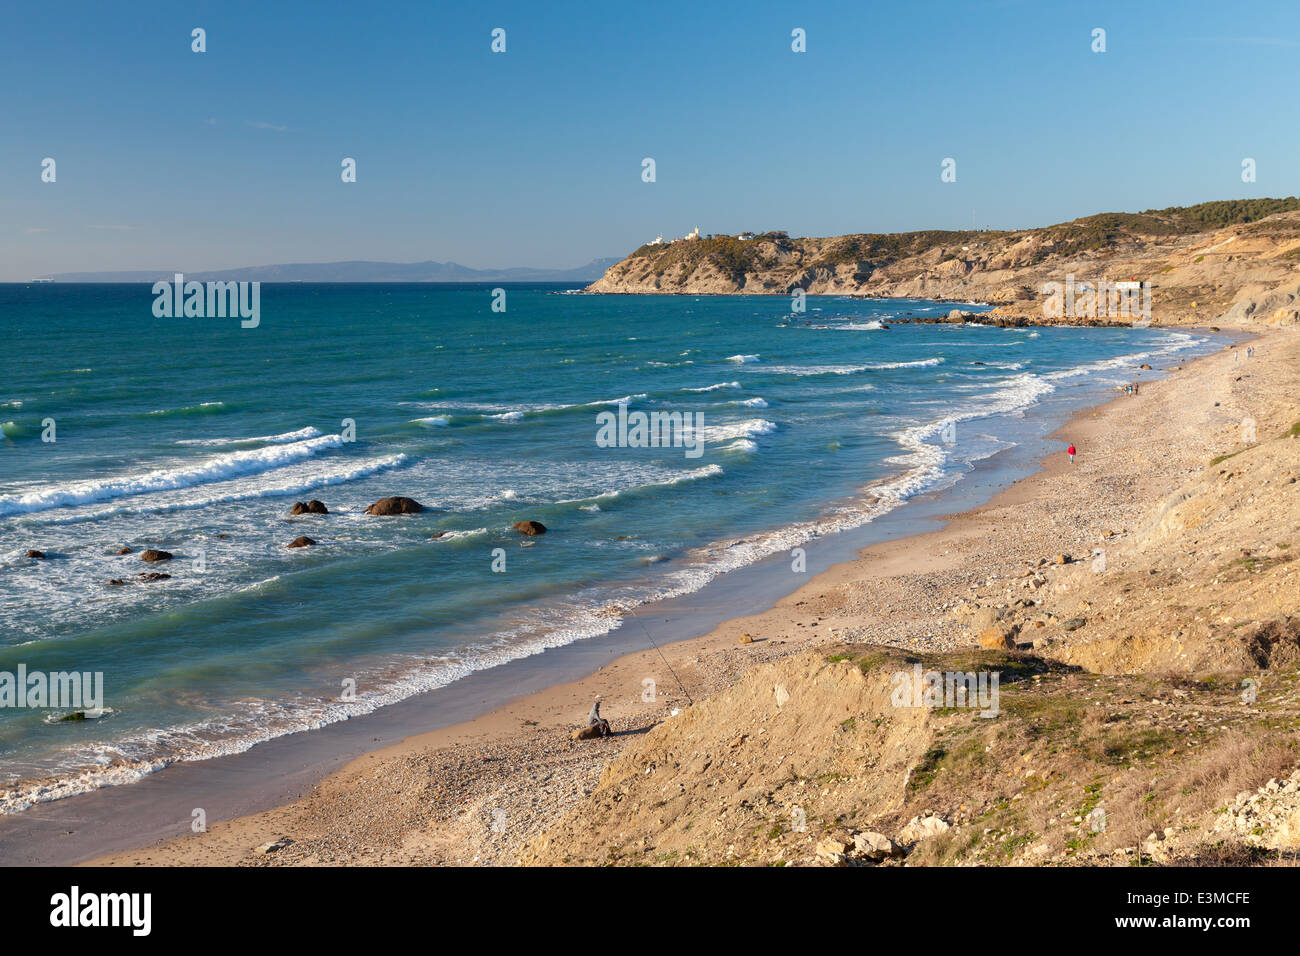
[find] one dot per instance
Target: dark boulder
(395, 505)
(312, 507)
(530, 528)
(302, 541)
(123, 550)
(151, 556)
(154, 576)
(38, 555)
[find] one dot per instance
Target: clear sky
(168, 158)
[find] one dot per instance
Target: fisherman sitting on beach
(595, 720)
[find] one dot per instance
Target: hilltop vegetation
(1003, 267)
(736, 257)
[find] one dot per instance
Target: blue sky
(172, 159)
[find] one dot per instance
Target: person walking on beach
(1070, 451)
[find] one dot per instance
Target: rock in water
(152, 555)
(302, 541)
(530, 528)
(123, 550)
(38, 555)
(312, 507)
(396, 505)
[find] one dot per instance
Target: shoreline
(540, 718)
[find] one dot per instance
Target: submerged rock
(123, 550)
(395, 505)
(530, 527)
(38, 555)
(302, 541)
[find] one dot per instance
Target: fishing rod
(661, 654)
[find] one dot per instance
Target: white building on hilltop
(692, 235)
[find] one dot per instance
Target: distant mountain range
(355, 271)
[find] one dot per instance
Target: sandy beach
(480, 792)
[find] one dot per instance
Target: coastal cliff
(1198, 258)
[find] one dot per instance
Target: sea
(485, 404)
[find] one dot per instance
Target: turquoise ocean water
(196, 436)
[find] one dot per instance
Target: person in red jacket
(1070, 451)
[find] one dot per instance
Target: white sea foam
(461, 534)
(515, 412)
(854, 326)
(805, 370)
(295, 479)
(666, 480)
(922, 363)
(729, 430)
(742, 359)
(300, 435)
(188, 409)
(713, 388)
(234, 464)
